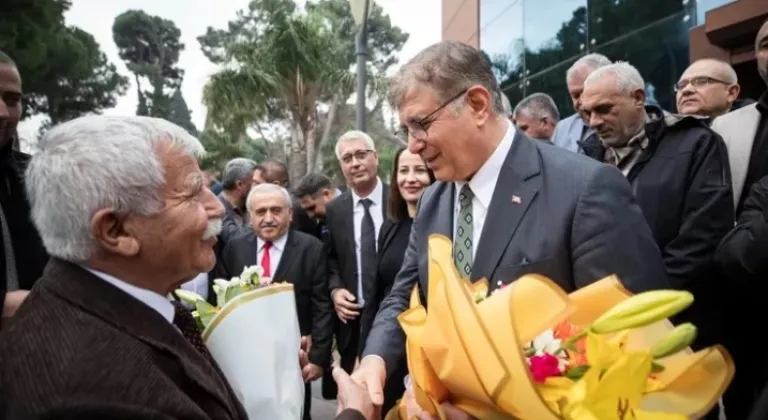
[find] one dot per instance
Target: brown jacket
(81, 348)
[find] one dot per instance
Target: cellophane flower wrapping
(255, 340)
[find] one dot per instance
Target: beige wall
(461, 21)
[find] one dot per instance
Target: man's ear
(639, 98)
(115, 233)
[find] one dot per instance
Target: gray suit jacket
(738, 129)
(576, 221)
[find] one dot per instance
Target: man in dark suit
(237, 178)
(22, 255)
(512, 205)
(354, 219)
(97, 337)
(315, 191)
(291, 256)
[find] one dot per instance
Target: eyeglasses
(358, 154)
(697, 83)
(418, 129)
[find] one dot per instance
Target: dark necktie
(184, 321)
(367, 245)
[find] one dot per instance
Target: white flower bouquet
(253, 333)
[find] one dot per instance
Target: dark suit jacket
(82, 348)
(554, 213)
(342, 257)
(302, 264)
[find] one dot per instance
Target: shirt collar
(484, 182)
(158, 302)
(375, 196)
(279, 244)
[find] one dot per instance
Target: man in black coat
(22, 255)
(290, 256)
(275, 172)
(678, 169)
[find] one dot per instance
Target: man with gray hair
(574, 129)
(121, 207)
(511, 205)
(536, 115)
(236, 179)
(286, 254)
(679, 171)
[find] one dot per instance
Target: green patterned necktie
(462, 240)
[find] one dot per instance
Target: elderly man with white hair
(571, 130)
(289, 255)
(678, 169)
(122, 209)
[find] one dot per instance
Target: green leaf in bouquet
(657, 368)
(232, 292)
(205, 312)
(190, 298)
(577, 372)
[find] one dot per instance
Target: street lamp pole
(361, 42)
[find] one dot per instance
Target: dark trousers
(307, 402)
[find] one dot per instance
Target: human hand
(344, 304)
(352, 395)
(311, 371)
(303, 353)
(372, 373)
(13, 301)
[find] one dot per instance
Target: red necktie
(265, 261)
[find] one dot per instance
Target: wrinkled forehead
(416, 103)
(10, 80)
(266, 200)
(703, 69)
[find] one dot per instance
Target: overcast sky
(420, 18)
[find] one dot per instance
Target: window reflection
(501, 37)
(660, 53)
(552, 82)
(554, 31)
(609, 19)
(514, 93)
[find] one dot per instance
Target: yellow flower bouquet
(530, 351)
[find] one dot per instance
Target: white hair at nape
(93, 163)
(352, 136)
(587, 63)
(628, 78)
(267, 188)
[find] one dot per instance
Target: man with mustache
(22, 255)
(286, 255)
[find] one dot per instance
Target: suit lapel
(514, 193)
(290, 249)
(99, 298)
(386, 234)
(347, 222)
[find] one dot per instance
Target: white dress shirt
(483, 184)
(377, 214)
(198, 285)
(154, 300)
(275, 253)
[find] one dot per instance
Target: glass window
(552, 82)
(514, 93)
(501, 37)
(554, 31)
(703, 6)
(609, 19)
(660, 53)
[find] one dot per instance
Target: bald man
(707, 88)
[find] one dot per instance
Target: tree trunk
(325, 138)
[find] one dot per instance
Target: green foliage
(180, 113)
(221, 147)
(150, 47)
(65, 73)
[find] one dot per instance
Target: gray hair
(725, 70)
(628, 79)
(588, 63)
(267, 188)
(447, 67)
(538, 106)
(352, 136)
(238, 169)
(506, 105)
(93, 163)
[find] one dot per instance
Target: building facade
(532, 43)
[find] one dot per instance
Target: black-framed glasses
(697, 82)
(357, 154)
(418, 129)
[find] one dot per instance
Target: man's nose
(4, 113)
(213, 206)
(415, 146)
